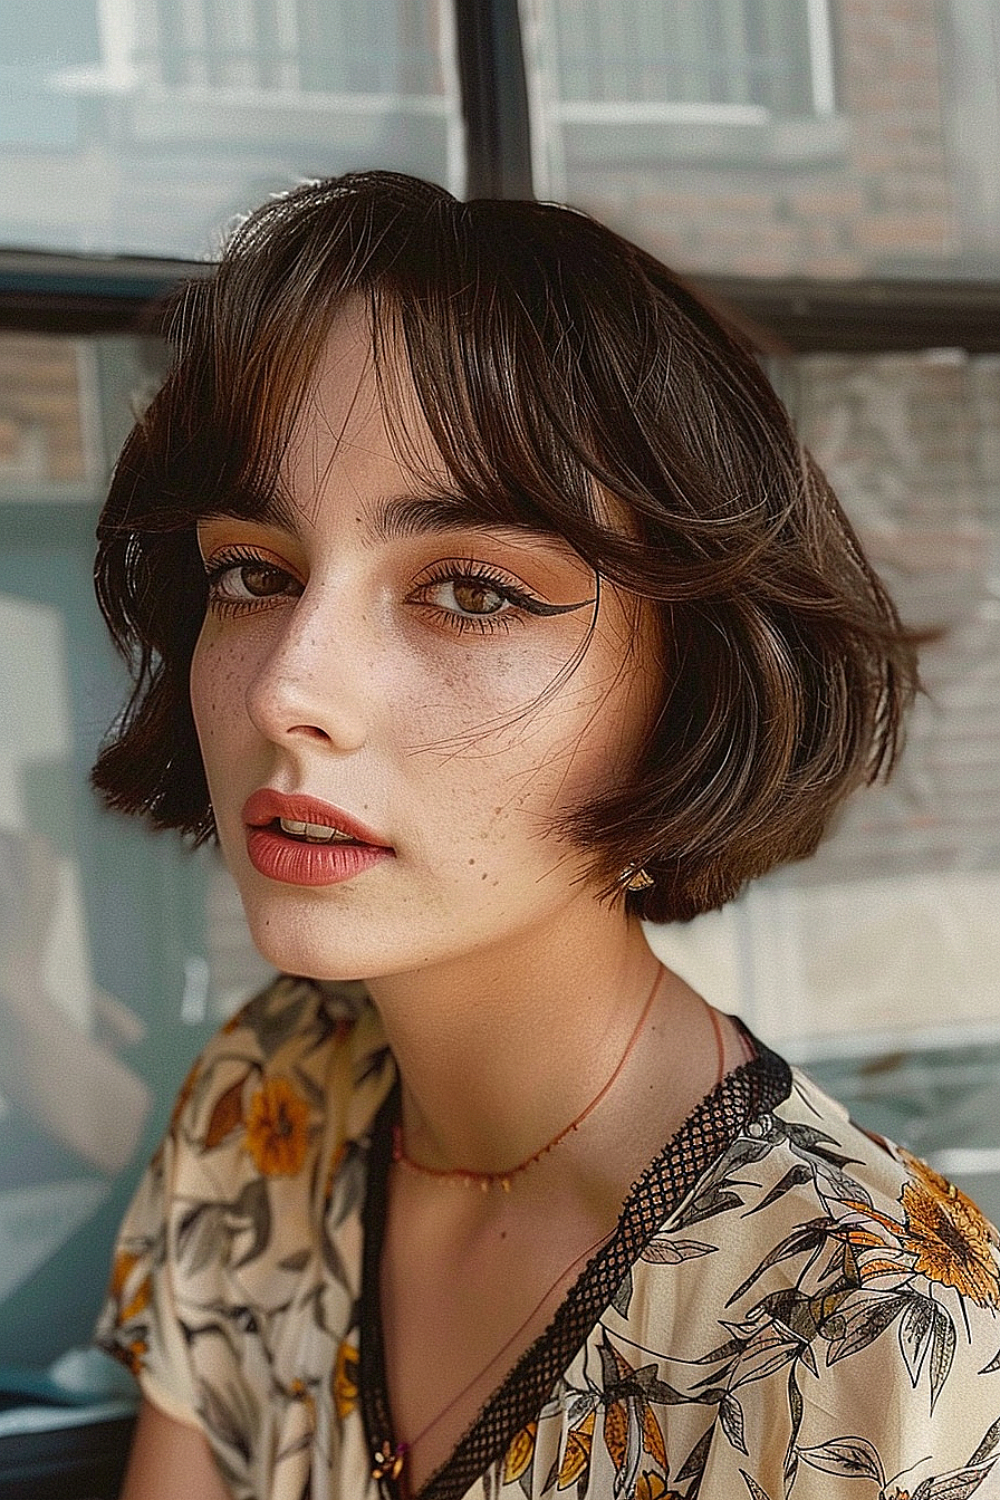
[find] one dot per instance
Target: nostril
(310, 731)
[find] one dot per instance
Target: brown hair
(556, 364)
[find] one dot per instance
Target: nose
(310, 682)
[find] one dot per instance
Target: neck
(499, 1051)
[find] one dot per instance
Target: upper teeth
(317, 833)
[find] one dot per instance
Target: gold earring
(635, 878)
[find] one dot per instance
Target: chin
(293, 949)
(308, 962)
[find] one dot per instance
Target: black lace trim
(752, 1090)
(372, 1394)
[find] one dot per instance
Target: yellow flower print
(298, 1391)
(345, 1380)
(134, 1355)
(948, 1235)
(652, 1438)
(184, 1094)
(137, 1301)
(277, 1128)
(517, 1459)
(227, 1114)
(651, 1486)
(616, 1433)
(121, 1270)
(577, 1456)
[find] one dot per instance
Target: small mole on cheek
(472, 861)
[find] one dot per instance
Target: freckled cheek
(480, 695)
(457, 754)
(203, 689)
(427, 717)
(218, 692)
(496, 782)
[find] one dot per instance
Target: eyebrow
(404, 517)
(389, 520)
(422, 515)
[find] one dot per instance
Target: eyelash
(216, 569)
(451, 571)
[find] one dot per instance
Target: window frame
(79, 294)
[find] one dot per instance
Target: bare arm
(169, 1459)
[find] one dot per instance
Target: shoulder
(296, 1022)
(301, 1058)
(890, 1276)
(873, 1189)
(274, 1113)
(806, 1178)
(237, 1266)
(827, 1303)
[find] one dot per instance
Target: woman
(482, 602)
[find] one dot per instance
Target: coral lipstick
(301, 840)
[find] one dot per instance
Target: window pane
(119, 953)
(887, 938)
(142, 126)
(776, 137)
(901, 1019)
(913, 870)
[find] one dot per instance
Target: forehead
(360, 409)
(361, 438)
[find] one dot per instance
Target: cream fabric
(790, 1307)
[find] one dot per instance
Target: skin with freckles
(421, 681)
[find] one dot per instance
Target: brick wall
(41, 432)
(910, 443)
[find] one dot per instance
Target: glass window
(775, 138)
(736, 60)
(913, 871)
(119, 952)
(141, 126)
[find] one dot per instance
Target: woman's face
(396, 703)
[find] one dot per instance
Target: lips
(307, 817)
(299, 840)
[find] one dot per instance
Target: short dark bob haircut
(557, 365)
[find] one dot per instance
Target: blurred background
(826, 172)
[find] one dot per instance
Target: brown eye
(238, 583)
(262, 581)
(475, 598)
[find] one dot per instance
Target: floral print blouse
(788, 1307)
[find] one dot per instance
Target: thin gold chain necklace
(389, 1461)
(502, 1180)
